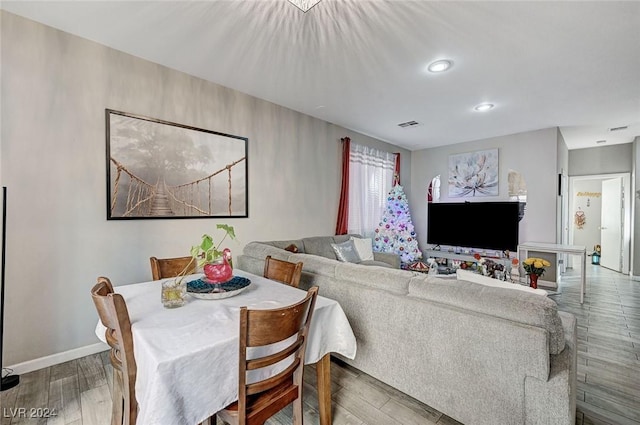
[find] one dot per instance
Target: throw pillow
(346, 252)
(485, 280)
(364, 248)
(292, 248)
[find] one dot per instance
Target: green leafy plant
(208, 251)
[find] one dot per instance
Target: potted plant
(207, 255)
(535, 268)
(208, 251)
(215, 262)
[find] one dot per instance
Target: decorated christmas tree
(396, 233)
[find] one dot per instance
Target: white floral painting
(473, 174)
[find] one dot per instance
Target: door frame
(626, 221)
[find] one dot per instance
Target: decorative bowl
(201, 288)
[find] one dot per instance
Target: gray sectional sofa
(480, 354)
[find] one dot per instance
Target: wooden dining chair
(114, 315)
(162, 268)
(260, 399)
(282, 271)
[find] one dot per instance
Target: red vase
(533, 281)
(221, 271)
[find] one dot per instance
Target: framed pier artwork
(159, 169)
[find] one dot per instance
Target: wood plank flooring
(79, 391)
(608, 345)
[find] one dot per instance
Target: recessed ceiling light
(440, 65)
(484, 107)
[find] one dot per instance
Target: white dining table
(187, 357)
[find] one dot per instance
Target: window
(370, 180)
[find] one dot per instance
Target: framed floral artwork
(159, 169)
(473, 174)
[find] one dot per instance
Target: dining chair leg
(297, 411)
(117, 404)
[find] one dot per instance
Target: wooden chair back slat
(162, 268)
(283, 271)
(274, 358)
(270, 326)
(273, 381)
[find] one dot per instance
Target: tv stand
(451, 255)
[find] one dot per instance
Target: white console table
(524, 248)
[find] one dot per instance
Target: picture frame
(159, 169)
(474, 174)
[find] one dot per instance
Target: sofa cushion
(364, 247)
(260, 250)
(284, 244)
(387, 279)
(343, 238)
(320, 245)
(346, 252)
(376, 263)
(518, 306)
(387, 257)
(486, 280)
(315, 264)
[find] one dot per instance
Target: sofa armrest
(386, 257)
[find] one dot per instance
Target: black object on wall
(8, 381)
(559, 184)
(484, 225)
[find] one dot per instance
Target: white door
(611, 224)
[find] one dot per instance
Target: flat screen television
(482, 225)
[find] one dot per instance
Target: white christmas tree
(395, 232)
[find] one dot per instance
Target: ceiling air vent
(408, 124)
(624, 127)
(601, 141)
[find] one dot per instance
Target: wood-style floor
(79, 391)
(608, 345)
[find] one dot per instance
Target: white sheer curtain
(370, 180)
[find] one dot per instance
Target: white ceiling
(361, 64)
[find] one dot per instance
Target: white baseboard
(54, 359)
(634, 277)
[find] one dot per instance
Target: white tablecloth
(187, 357)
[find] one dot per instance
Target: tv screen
(482, 225)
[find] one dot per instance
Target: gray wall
(601, 160)
(533, 154)
(55, 88)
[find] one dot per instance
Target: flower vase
(533, 280)
(174, 292)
